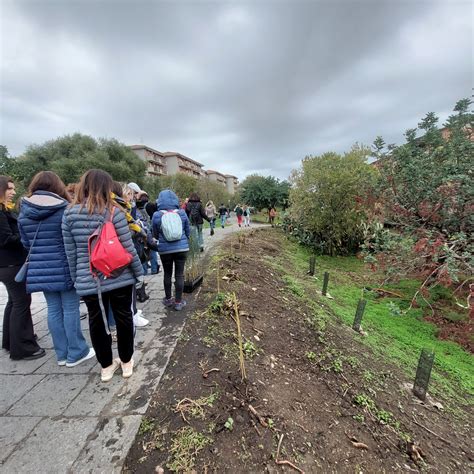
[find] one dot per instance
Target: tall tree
(70, 156)
(264, 192)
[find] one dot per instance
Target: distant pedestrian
(239, 212)
(172, 252)
(272, 213)
(223, 214)
(246, 216)
(92, 207)
(48, 271)
(196, 216)
(211, 213)
(18, 337)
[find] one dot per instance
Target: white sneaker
(138, 320)
(88, 356)
(61, 363)
(127, 369)
(107, 373)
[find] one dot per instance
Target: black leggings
(18, 336)
(179, 260)
(120, 300)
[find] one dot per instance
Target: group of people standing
(45, 247)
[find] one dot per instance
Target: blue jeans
(65, 325)
(111, 319)
(200, 239)
(223, 219)
(153, 263)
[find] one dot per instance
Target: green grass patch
(185, 445)
(398, 336)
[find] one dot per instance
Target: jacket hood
(167, 199)
(41, 205)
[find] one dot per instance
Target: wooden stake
(325, 283)
(423, 373)
(359, 313)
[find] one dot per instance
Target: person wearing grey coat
(77, 227)
(79, 223)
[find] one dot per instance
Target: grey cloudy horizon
(242, 87)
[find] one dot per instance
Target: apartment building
(178, 163)
(154, 159)
(231, 183)
(171, 162)
(216, 176)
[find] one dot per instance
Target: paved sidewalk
(56, 419)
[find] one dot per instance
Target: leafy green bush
(325, 197)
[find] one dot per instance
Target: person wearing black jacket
(18, 336)
(196, 216)
(223, 214)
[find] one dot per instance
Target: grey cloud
(242, 87)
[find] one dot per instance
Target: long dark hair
(4, 180)
(48, 181)
(194, 197)
(94, 191)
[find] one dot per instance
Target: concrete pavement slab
(94, 396)
(51, 367)
(105, 452)
(51, 396)
(14, 429)
(23, 367)
(15, 388)
(52, 447)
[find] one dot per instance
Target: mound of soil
(315, 398)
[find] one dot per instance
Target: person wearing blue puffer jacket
(39, 222)
(174, 252)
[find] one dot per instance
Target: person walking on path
(211, 213)
(172, 252)
(223, 214)
(196, 216)
(272, 213)
(246, 216)
(40, 221)
(92, 207)
(239, 212)
(18, 337)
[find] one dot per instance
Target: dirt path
(315, 397)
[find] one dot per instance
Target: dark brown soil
(461, 332)
(307, 384)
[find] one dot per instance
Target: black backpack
(195, 214)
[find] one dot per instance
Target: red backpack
(106, 253)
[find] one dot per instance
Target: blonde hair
(127, 193)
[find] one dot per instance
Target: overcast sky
(243, 87)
